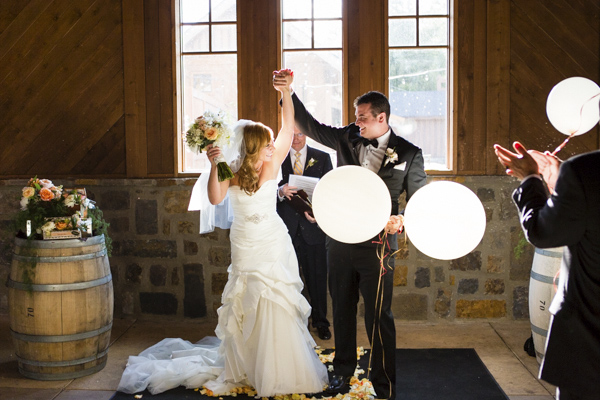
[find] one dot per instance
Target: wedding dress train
(262, 336)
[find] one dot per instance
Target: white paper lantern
(351, 204)
(444, 220)
(572, 107)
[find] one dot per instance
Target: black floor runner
(421, 374)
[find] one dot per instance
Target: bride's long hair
(256, 137)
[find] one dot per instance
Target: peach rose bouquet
(45, 206)
(207, 129)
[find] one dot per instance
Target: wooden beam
(134, 88)
(258, 56)
(498, 81)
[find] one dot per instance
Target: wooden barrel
(61, 307)
(545, 267)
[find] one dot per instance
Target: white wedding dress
(263, 340)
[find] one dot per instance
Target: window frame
(451, 137)
(348, 68)
(178, 66)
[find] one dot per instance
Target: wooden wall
(61, 88)
(87, 86)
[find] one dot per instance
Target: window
(208, 40)
(418, 39)
(312, 48)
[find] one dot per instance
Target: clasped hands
(283, 79)
(525, 162)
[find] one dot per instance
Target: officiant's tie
(298, 165)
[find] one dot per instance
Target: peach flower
(46, 194)
(28, 192)
(211, 133)
(61, 224)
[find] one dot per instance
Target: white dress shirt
(371, 157)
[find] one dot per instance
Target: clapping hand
(548, 166)
(528, 162)
(520, 164)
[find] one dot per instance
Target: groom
(355, 268)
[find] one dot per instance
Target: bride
(263, 340)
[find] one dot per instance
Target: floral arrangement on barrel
(47, 208)
(207, 129)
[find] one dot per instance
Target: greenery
(521, 245)
(100, 227)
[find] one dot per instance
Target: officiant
(307, 237)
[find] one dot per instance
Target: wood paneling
(159, 87)
(366, 49)
(61, 86)
(550, 41)
(467, 76)
(87, 87)
(258, 56)
(135, 88)
(498, 80)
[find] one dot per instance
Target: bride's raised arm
(282, 81)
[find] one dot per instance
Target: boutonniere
(391, 156)
(311, 162)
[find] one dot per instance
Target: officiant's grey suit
(406, 174)
(570, 217)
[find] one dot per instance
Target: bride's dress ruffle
(263, 340)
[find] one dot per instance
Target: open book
(301, 201)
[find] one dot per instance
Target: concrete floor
(499, 344)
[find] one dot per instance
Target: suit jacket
(311, 233)
(570, 217)
(406, 174)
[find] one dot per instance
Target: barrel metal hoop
(60, 338)
(67, 363)
(59, 287)
(80, 257)
(548, 253)
(59, 244)
(539, 331)
(62, 377)
(541, 278)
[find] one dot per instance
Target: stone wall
(161, 265)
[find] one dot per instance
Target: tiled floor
(499, 344)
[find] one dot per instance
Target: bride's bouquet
(210, 128)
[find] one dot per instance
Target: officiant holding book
(307, 237)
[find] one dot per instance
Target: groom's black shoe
(338, 384)
(324, 332)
